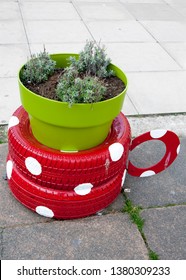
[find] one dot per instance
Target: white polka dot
(158, 133)
(13, 121)
(83, 189)
(116, 151)
(33, 166)
(44, 211)
(147, 173)
(123, 178)
(178, 149)
(9, 168)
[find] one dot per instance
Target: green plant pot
(75, 128)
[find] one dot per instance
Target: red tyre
(84, 200)
(55, 169)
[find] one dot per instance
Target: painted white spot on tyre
(44, 211)
(147, 173)
(33, 166)
(158, 133)
(9, 168)
(178, 149)
(83, 189)
(124, 177)
(116, 151)
(13, 122)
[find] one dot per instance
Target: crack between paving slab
(78, 12)
(24, 27)
(134, 213)
(161, 45)
(164, 206)
(30, 224)
(133, 104)
(174, 114)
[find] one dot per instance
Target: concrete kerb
(143, 123)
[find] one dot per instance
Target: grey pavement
(147, 40)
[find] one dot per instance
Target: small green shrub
(38, 68)
(92, 61)
(73, 89)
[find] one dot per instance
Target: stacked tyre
(65, 185)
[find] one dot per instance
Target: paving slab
(12, 58)
(153, 11)
(12, 32)
(128, 107)
(9, 98)
(165, 231)
(108, 237)
(118, 31)
(177, 51)
(103, 11)
(12, 7)
(50, 11)
(181, 9)
(157, 92)
(176, 2)
(141, 57)
(166, 31)
(167, 187)
(56, 31)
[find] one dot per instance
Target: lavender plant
(38, 68)
(74, 89)
(93, 61)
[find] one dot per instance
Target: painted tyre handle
(172, 143)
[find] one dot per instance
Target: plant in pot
(71, 98)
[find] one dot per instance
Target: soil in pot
(46, 89)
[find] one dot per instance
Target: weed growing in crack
(153, 255)
(134, 212)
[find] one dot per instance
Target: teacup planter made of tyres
(64, 185)
(71, 128)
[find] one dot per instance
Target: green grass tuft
(134, 212)
(153, 255)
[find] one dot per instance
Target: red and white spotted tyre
(55, 169)
(84, 200)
